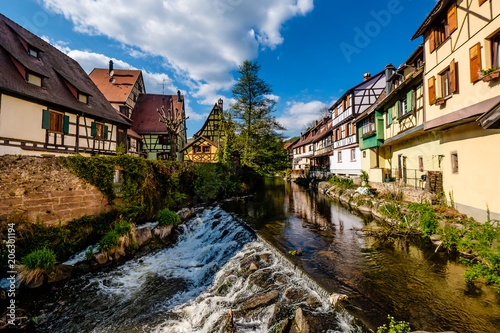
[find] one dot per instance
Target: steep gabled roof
(62, 77)
(439, 8)
(117, 88)
(215, 112)
(192, 143)
(145, 117)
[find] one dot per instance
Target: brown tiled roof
(198, 139)
(55, 67)
(133, 134)
(433, 15)
(145, 117)
(287, 145)
(120, 89)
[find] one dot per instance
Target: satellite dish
(112, 73)
(112, 80)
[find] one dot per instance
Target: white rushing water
(191, 287)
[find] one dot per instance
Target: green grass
(43, 258)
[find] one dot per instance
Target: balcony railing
(345, 141)
(410, 177)
(341, 117)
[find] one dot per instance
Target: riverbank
(477, 244)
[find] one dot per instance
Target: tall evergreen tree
(254, 112)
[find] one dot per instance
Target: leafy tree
(254, 112)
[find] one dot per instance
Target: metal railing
(410, 177)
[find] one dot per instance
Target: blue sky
(310, 51)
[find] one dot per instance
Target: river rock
(101, 257)
(60, 272)
(36, 282)
(335, 298)
(253, 267)
(259, 301)
(308, 322)
(294, 294)
(143, 235)
(163, 232)
(313, 302)
(262, 279)
(185, 213)
(121, 249)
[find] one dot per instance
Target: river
(192, 286)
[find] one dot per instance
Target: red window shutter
(346, 130)
(432, 43)
(452, 19)
(336, 112)
(353, 129)
(348, 99)
(453, 76)
(481, 2)
(475, 62)
(335, 135)
(340, 133)
(343, 104)
(432, 90)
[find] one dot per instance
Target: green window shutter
(389, 116)
(46, 119)
(93, 131)
(105, 132)
(396, 111)
(380, 128)
(409, 101)
(66, 125)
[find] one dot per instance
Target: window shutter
(343, 105)
(348, 104)
(409, 101)
(453, 76)
(452, 19)
(346, 130)
(46, 119)
(336, 112)
(335, 135)
(396, 109)
(93, 131)
(66, 125)
(432, 43)
(481, 2)
(105, 132)
(389, 116)
(432, 90)
(475, 62)
(340, 133)
(353, 128)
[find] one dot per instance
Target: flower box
(491, 76)
(440, 102)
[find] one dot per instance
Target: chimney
(110, 68)
(220, 104)
(367, 76)
(389, 70)
(178, 96)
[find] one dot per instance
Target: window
(163, 140)
(495, 51)
(445, 83)
(206, 149)
(32, 51)
(475, 62)
(342, 132)
(339, 157)
(403, 106)
(34, 79)
(421, 163)
(443, 29)
(99, 131)
(125, 110)
(83, 98)
(454, 162)
(353, 155)
(368, 125)
(197, 149)
(388, 116)
(54, 121)
(432, 90)
(364, 154)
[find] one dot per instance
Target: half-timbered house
(461, 84)
(209, 139)
(48, 103)
(322, 139)
(346, 159)
(122, 87)
(154, 132)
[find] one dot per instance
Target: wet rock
(281, 279)
(121, 249)
(294, 294)
(229, 326)
(262, 279)
(36, 282)
(253, 267)
(143, 235)
(215, 224)
(280, 313)
(335, 298)
(308, 322)
(259, 301)
(101, 258)
(217, 216)
(3, 294)
(60, 272)
(286, 326)
(313, 302)
(185, 213)
(163, 232)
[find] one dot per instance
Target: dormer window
(34, 79)
(33, 52)
(83, 98)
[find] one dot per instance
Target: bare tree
(173, 126)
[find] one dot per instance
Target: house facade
(322, 135)
(461, 47)
(156, 139)
(303, 152)
(346, 158)
(122, 88)
(48, 103)
(209, 139)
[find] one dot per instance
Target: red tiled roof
(55, 67)
(120, 89)
(199, 139)
(145, 117)
(287, 145)
(133, 134)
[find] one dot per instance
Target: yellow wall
(21, 120)
(477, 184)
(409, 122)
(471, 30)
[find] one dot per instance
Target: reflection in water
(400, 277)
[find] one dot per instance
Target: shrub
(167, 217)
(394, 326)
(390, 210)
(109, 241)
(43, 258)
(427, 217)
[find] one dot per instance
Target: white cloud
(300, 114)
(201, 40)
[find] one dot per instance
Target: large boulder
(143, 235)
(307, 322)
(60, 272)
(162, 232)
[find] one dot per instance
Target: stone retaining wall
(39, 188)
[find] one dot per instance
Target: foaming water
(190, 287)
